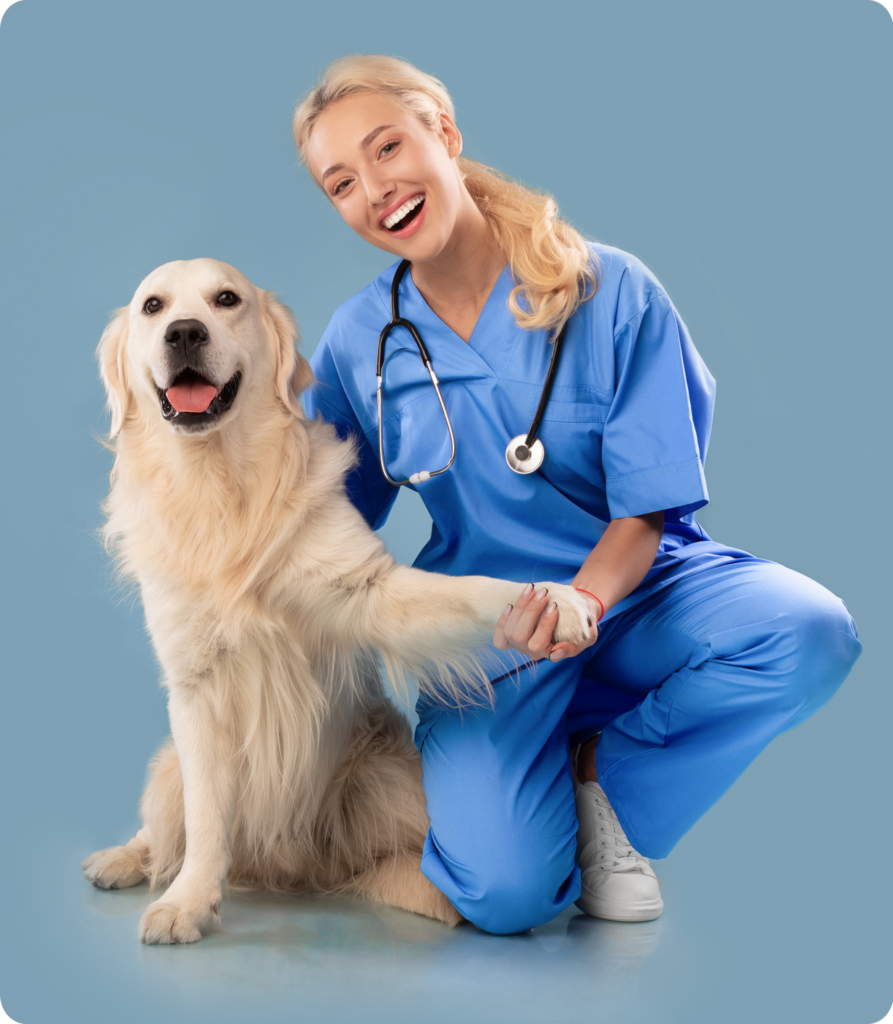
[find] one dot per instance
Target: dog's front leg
(429, 623)
(207, 760)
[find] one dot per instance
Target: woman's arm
(612, 570)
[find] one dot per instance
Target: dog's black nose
(186, 336)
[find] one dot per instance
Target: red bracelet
(594, 598)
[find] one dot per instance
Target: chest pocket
(578, 410)
(572, 434)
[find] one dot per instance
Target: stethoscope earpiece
(525, 453)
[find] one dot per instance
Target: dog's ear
(293, 373)
(111, 356)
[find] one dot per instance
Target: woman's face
(394, 181)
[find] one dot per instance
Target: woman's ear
(293, 373)
(451, 134)
(111, 355)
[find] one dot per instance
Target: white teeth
(400, 213)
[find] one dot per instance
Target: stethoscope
(524, 454)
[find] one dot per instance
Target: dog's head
(196, 345)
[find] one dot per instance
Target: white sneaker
(617, 884)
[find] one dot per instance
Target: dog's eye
(152, 305)
(228, 299)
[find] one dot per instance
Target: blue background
(744, 153)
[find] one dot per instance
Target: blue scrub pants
(686, 687)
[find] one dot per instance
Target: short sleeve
(367, 488)
(658, 426)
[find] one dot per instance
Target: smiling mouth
(193, 402)
(404, 215)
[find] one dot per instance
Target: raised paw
(574, 617)
(118, 867)
(166, 923)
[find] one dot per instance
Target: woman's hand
(528, 625)
(613, 569)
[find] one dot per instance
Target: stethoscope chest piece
(524, 459)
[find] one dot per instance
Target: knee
(507, 906)
(822, 647)
(508, 891)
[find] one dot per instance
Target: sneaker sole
(610, 911)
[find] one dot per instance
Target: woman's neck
(458, 281)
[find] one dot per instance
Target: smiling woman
(413, 130)
(608, 750)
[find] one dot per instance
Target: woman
(699, 653)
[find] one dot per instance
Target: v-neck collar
(486, 330)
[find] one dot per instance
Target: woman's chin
(421, 247)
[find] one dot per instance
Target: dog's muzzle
(191, 400)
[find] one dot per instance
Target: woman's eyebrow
(369, 138)
(331, 170)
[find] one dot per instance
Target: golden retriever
(268, 600)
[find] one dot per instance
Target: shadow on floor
(352, 952)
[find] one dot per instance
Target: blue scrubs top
(625, 431)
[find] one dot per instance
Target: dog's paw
(574, 617)
(118, 867)
(166, 923)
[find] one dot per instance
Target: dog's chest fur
(235, 574)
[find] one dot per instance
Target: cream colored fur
(267, 598)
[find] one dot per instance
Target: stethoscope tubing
(398, 321)
(524, 453)
(547, 386)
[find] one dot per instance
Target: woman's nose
(378, 191)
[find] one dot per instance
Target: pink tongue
(194, 397)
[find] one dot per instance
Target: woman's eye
(152, 305)
(388, 147)
(341, 186)
(228, 299)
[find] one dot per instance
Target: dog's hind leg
(164, 823)
(384, 821)
(156, 851)
(119, 867)
(398, 881)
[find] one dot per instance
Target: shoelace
(616, 853)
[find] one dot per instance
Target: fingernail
(540, 594)
(509, 607)
(557, 656)
(527, 591)
(553, 607)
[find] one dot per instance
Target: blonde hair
(553, 268)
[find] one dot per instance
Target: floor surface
(778, 908)
(750, 934)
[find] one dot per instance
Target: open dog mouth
(192, 401)
(405, 214)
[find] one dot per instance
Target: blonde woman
(592, 758)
